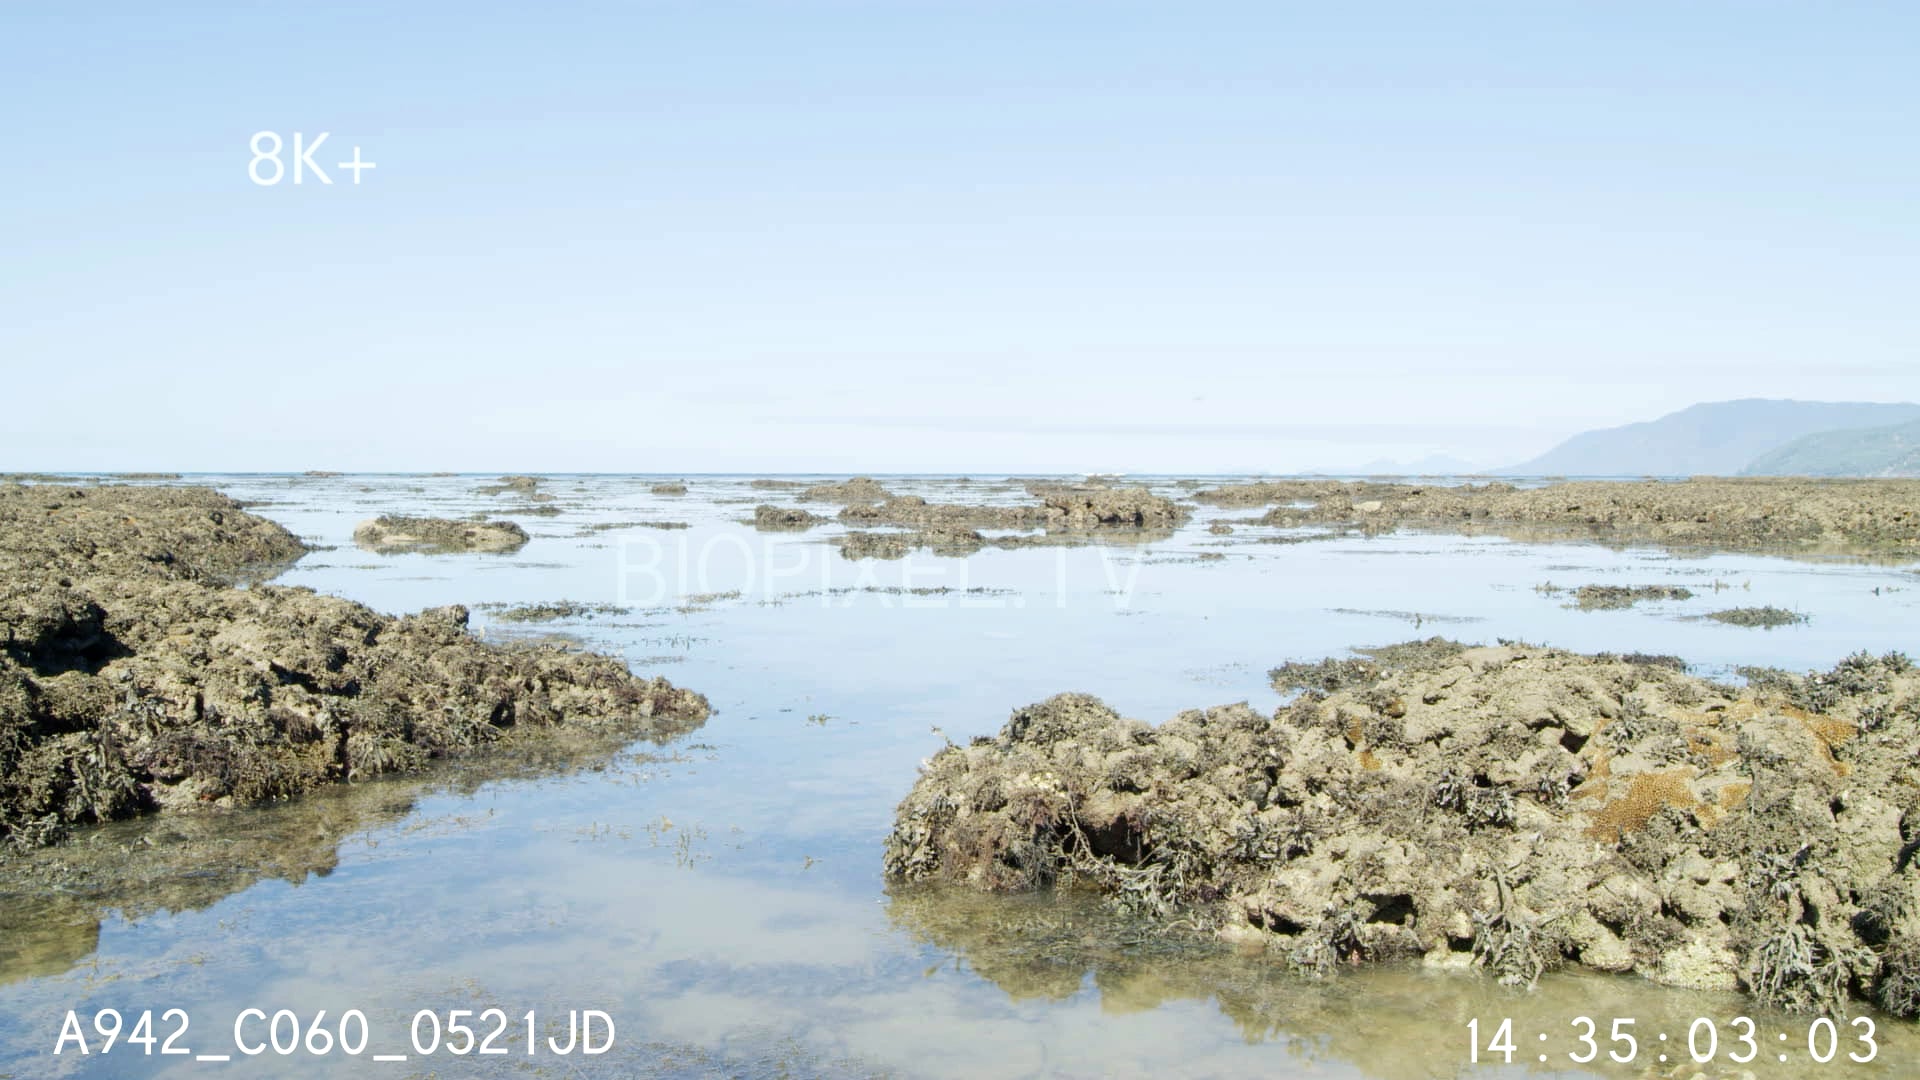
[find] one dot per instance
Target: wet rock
(1523, 806)
(673, 488)
(394, 532)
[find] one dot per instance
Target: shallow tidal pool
(719, 897)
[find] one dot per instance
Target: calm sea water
(720, 897)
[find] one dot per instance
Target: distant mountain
(1880, 451)
(1720, 438)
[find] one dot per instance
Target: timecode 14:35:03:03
(1740, 1042)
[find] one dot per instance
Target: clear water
(720, 897)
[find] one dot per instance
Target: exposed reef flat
(134, 677)
(1512, 807)
(1866, 516)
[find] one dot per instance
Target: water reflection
(52, 901)
(1404, 1022)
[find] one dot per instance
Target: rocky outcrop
(134, 678)
(1511, 807)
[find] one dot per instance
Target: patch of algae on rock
(1512, 807)
(134, 678)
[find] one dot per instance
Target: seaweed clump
(1764, 617)
(1619, 597)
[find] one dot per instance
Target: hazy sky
(910, 235)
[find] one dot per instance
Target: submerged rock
(394, 532)
(1512, 807)
(133, 678)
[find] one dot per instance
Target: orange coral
(1647, 794)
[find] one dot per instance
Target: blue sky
(924, 236)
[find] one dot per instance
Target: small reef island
(137, 676)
